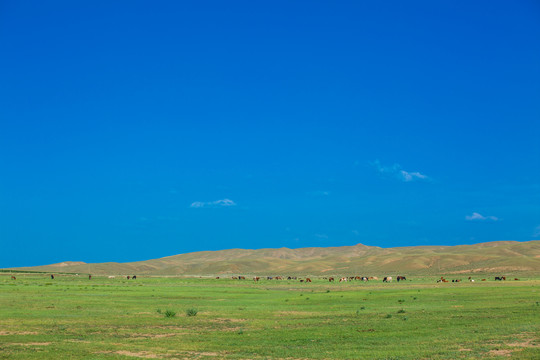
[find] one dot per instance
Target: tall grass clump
(191, 312)
(169, 313)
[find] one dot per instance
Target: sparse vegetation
(191, 312)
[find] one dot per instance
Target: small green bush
(170, 313)
(401, 311)
(158, 311)
(191, 312)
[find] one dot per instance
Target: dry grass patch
(156, 336)
(500, 352)
(140, 354)
(224, 321)
(6, 333)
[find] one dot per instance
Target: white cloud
(411, 176)
(397, 171)
(214, 204)
(479, 217)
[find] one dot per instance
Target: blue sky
(135, 130)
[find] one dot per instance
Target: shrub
(388, 316)
(401, 311)
(158, 311)
(191, 312)
(170, 313)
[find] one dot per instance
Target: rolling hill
(504, 257)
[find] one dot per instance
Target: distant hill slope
(499, 257)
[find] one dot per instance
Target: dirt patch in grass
(222, 320)
(5, 333)
(525, 344)
(205, 353)
(500, 352)
(526, 341)
(31, 344)
(166, 327)
(141, 354)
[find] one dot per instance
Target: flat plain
(72, 317)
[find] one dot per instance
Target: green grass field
(72, 317)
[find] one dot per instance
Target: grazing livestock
(330, 279)
(483, 279)
(256, 278)
(364, 278)
(241, 278)
(111, 277)
(343, 279)
(217, 277)
(52, 276)
(89, 277)
(128, 277)
(516, 279)
(308, 280)
(13, 278)
(134, 277)
(500, 278)
(234, 277)
(387, 279)
(399, 278)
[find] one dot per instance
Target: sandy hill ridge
(500, 256)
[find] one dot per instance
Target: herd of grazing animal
(386, 279)
(308, 280)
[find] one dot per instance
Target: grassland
(72, 317)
